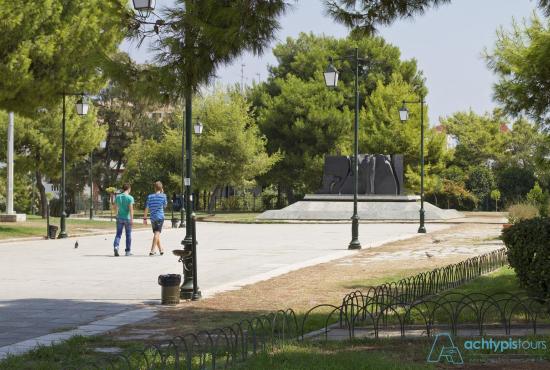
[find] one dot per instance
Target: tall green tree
(303, 123)
(51, 46)
(479, 138)
(230, 151)
(480, 182)
(305, 120)
(520, 61)
(525, 146)
(132, 105)
(383, 132)
(204, 35)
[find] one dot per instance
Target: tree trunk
(42, 192)
(212, 201)
(279, 197)
(290, 195)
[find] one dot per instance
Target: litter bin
(52, 231)
(170, 288)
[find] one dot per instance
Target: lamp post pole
(186, 291)
(189, 289)
(182, 210)
(355, 244)
(63, 231)
(91, 186)
(422, 228)
(331, 80)
(81, 110)
(404, 116)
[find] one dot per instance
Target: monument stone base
(328, 207)
(13, 217)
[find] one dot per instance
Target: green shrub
(480, 182)
(529, 254)
(522, 211)
(539, 199)
(231, 203)
(495, 195)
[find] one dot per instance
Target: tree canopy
(366, 16)
(204, 35)
(230, 151)
(305, 120)
(51, 46)
(520, 61)
(38, 143)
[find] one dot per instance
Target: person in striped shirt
(155, 204)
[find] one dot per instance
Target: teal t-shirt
(123, 202)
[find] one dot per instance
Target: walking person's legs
(128, 229)
(159, 230)
(153, 244)
(161, 250)
(157, 227)
(116, 243)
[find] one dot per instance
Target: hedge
(528, 251)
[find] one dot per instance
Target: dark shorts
(157, 225)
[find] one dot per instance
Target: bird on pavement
(76, 244)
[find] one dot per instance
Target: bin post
(170, 285)
(47, 219)
(196, 291)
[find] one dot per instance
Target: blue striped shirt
(156, 203)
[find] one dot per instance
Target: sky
(447, 43)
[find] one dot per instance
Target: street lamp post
(145, 8)
(404, 116)
(331, 80)
(189, 288)
(81, 109)
(182, 209)
(91, 185)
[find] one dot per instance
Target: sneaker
(162, 253)
(152, 253)
(129, 253)
(116, 253)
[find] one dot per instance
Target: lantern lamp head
(144, 5)
(198, 127)
(403, 113)
(331, 76)
(82, 106)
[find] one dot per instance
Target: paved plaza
(49, 286)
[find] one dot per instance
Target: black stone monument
(378, 175)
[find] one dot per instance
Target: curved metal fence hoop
(307, 314)
(220, 334)
(188, 350)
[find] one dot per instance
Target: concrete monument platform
(13, 217)
(328, 207)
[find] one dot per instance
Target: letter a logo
(444, 350)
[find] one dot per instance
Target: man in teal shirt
(124, 208)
